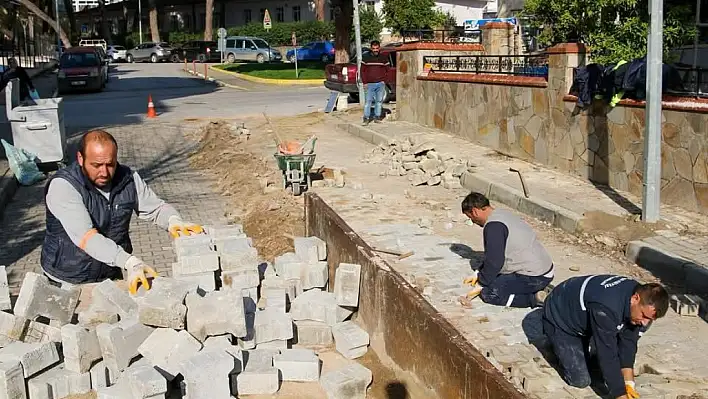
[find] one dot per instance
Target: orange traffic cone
(151, 108)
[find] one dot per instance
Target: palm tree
(154, 26)
(208, 24)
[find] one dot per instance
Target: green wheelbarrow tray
(296, 170)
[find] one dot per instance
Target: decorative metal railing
(442, 36)
(516, 65)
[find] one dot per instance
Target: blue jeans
(514, 290)
(374, 94)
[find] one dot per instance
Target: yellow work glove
(472, 280)
(630, 388)
(177, 227)
(476, 290)
(137, 270)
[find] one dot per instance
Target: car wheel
(387, 94)
(231, 58)
(324, 58)
(202, 58)
(353, 97)
(129, 58)
(291, 58)
(260, 58)
(153, 58)
(175, 58)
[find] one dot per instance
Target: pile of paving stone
(419, 162)
(223, 325)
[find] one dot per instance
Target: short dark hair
(375, 43)
(474, 200)
(654, 294)
(95, 135)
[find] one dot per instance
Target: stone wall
(535, 119)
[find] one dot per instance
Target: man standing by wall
(373, 75)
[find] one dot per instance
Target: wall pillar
(562, 59)
(498, 38)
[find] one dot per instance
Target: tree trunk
(136, 19)
(344, 15)
(208, 20)
(105, 31)
(320, 9)
(154, 26)
(124, 21)
(44, 17)
(69, 7)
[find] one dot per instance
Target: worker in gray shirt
(89, 207)
(517, 269)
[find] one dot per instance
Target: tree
(105, 32)
(400, 15)
(344, 14)
(320, 9)
(614, 29)
(208, 20)
(154, 26)
(371, 24)
(46, 18)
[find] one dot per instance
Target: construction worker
(89, 205)
(516, 268)
(605, 314)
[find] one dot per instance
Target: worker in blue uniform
(608, 313)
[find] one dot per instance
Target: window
(174, 23)
(260, 43)
(240, 43)
(247, 16)
(263, 10)
(230, 43)
(296, 13)
(280, 14)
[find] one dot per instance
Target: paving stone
(102, 376)
(248, 341)
(216, 313)
(39, 298)
(259, 375)
(239, 260)
(163, 305)
(298, 365)
(11, 328)
(166, 349)
(94, 316)
(288, 265)
(349, 382)
(5, 303)
(272, 324)
(206, 374)
(293, 288)
(108, 296)
(120, 390)
(275, 298)
(350, 339)
(223, 342)
(119, 342)
(232, 230)
(33, 357)
(57, 383)
(205, 281)
(313, 333)
(236, 244)
(146, 382)
(310, 249)
(187, 244)
(314, 275)
(12, 380)
(37, 332)
(196, 264)
(318, 306)
(684, 305)
(80, 348)
(239, 279)
(278, 344)
(347, 280)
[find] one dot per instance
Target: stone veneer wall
(535, 120)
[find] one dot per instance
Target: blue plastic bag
(22, 165)
(34, 94)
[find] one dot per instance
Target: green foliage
(306, 70)
(371, 25)
(614, 29)
(401, 15)
(279, 34)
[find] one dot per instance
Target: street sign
(222, 32)
(84, 28)
(294, 38)
(266, 20)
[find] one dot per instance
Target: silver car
(247, 48)
(149, 51)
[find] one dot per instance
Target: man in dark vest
(89, 207)
(608, 314)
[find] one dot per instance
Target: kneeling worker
(608, 313)
(89, 207)
(516, 268)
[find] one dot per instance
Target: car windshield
(260, 43)
(79, 60)
(210, 44)
(163, 44)
(118, 48)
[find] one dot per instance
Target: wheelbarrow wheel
(296, 189)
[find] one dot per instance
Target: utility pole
(140, 21)
(357, 35)
(651, 199)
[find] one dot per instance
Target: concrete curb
(545, 211)
(279, 82)
(214, 81)
(668, 266)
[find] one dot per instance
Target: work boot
(366, 122)
(540, 296)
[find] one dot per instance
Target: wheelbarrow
(296, 171)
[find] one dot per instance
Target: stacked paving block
(223, 325)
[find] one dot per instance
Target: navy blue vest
(64, 260)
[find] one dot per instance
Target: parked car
(342, 77)
(247, 48)
(150, 51)
(81, 68)
(116, 53)
(315, 51)
(197, 50)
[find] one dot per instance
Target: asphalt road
(178, 96)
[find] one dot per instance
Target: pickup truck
(342, 77)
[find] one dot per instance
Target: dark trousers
(572, 354)
(514, 290)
